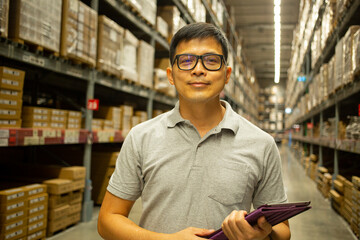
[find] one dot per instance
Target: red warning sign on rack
(93, 104)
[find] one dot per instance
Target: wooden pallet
(34, 47)
(78, 61)
(50, 234)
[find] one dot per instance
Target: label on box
(4, 142)
(14, 225)
(15, 215)
(14, 234)
(35, 226)
(15, 205)
(15, 195)
(36, 235)
(37, 209)
(9, 92)
(11, 72)
(36, 200)
(4, 133)
(7, 112)
(9, 82)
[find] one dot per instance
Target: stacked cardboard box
(102, 167)
(171, 15)
(142, 115)
(79, 32)
(339, 67)
(148, 10)
(36, 22)
(355, 220)
(145, 65)
(162, 27)
(337, 194)
(129, 61)
(111, 114)
(346, 208)
(324, 181)
(73, 120)
(348, 66)
(58, 118)
(23, 212)
(65, 196)
(4, 18)
(110, 47)
(356, 52)
(328, 21)
(36, 117)
(96, 124)
(126, 117)
(11, 91)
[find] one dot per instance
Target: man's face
(199, 85)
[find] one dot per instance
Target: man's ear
(228, 74)
(169, 75)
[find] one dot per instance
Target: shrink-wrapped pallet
(129, 62)
(171, 15)
(146, 55)
(4, 17)
(348, 50)
(148, 10)
(36, 22)
(356, 52)
(338, 65)
(110, 46)
(79, 32)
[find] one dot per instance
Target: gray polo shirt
(185, 180)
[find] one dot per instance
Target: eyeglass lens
(210, 62)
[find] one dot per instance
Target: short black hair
(199, 30)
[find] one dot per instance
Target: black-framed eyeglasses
(210, 61)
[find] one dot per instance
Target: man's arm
(113, 223)
(236, 227)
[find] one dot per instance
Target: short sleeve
(126, 181)
(270, 188)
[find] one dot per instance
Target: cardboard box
(78, 184)
(37, 235)
(56, 201)
(57, 125)
(110, 46)
(129, 61)
(162, 27)
(74, 218)
(34, 210)
(145, 64)
(10, 123)
(14, 234)
(57, 224)
(9, 114)
(13, 206)
(11, 94)
(59, 186)
(33, 23)
(34, 200)
(37, 217)
(36, 111)
(171, 16)
(76, 196)
(11, 78)
(75, 208)
(6, 103)
(37, 226)
(35, 189)
(12, 195)
(73, 173)
(74, 114)
(60, 212)
(13, 216)
(9, 227)
(35, 124)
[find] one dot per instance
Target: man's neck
(204, 116)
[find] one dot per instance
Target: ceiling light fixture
(277, 39)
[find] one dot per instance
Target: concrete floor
(320, 223)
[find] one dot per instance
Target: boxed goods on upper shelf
(110, 46)
(148, 10)
(162, 27)
(79, 32)
(145, 64)
(36, 22)
(11, 91)
(349, 63)
(171, 15)
(4, 18)
(129, 67)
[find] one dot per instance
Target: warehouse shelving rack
(90, 79)
(334, 104)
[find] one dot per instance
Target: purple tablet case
(274, 214)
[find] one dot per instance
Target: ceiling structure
(255, 25)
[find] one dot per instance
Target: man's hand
(236, 227)
(191, 233)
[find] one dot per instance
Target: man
(198, 167)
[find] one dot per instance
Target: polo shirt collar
(230, 120)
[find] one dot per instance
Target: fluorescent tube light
(277, 39)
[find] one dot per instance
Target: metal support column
(336, 152)
(88, 204)
(311, 135)
(150, 103)
(321, 133)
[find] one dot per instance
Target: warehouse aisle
(320, 223)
